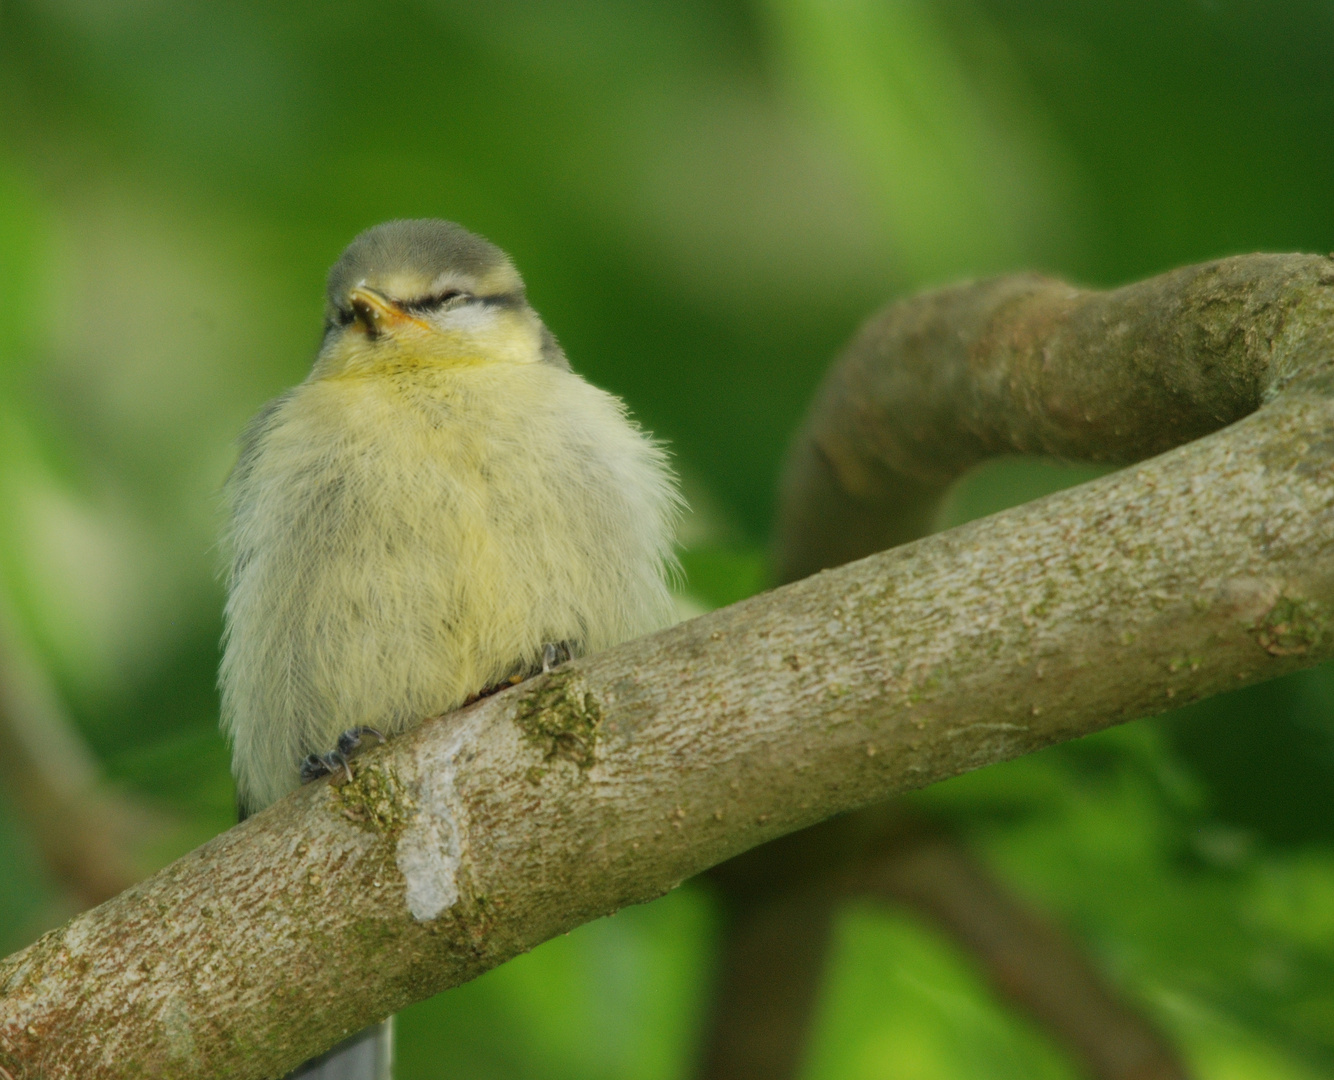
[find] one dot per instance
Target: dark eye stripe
(423, 304)
(503, 300)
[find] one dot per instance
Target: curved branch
(485, 832)
(1028, 365)
(912, 405)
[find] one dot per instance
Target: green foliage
(619, 999)
(719, 575)
(705, 199)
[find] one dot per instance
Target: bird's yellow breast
(409, 535)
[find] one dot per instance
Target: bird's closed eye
(434, 303)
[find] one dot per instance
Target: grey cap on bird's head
(415, 258)
(420, 266)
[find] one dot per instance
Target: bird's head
(426, 292)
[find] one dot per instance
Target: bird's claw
(317, 765)
(554, 654)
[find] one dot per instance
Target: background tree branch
(606, 782)
(778, 903)
(1027, 960)
(1029, 365)
(88, 836)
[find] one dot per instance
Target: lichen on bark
(1292, 627)
(561, 719)
(374, 798)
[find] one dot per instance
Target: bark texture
(912, 404)
(609, 780)
(1029, 365)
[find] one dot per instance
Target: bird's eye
(436, 302)
(346, 316)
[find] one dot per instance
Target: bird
(441, 508)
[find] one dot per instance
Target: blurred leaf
(901, 1004)
(954, 143)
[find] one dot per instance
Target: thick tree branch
(606, 782)
(1029, 365)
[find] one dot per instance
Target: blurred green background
(705, 199)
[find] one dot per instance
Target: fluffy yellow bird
(440, 506)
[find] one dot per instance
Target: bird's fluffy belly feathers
(403, 540)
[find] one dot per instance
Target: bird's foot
(336, 760)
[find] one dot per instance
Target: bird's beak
(377, 314)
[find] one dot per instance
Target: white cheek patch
(470, 319)
(491, 332)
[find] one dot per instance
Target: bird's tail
(368, 1055)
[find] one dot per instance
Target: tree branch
(87, 835)
(1023, 957)
(778, 901)
(483, 833)
(1028, 365)
(912, 405)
